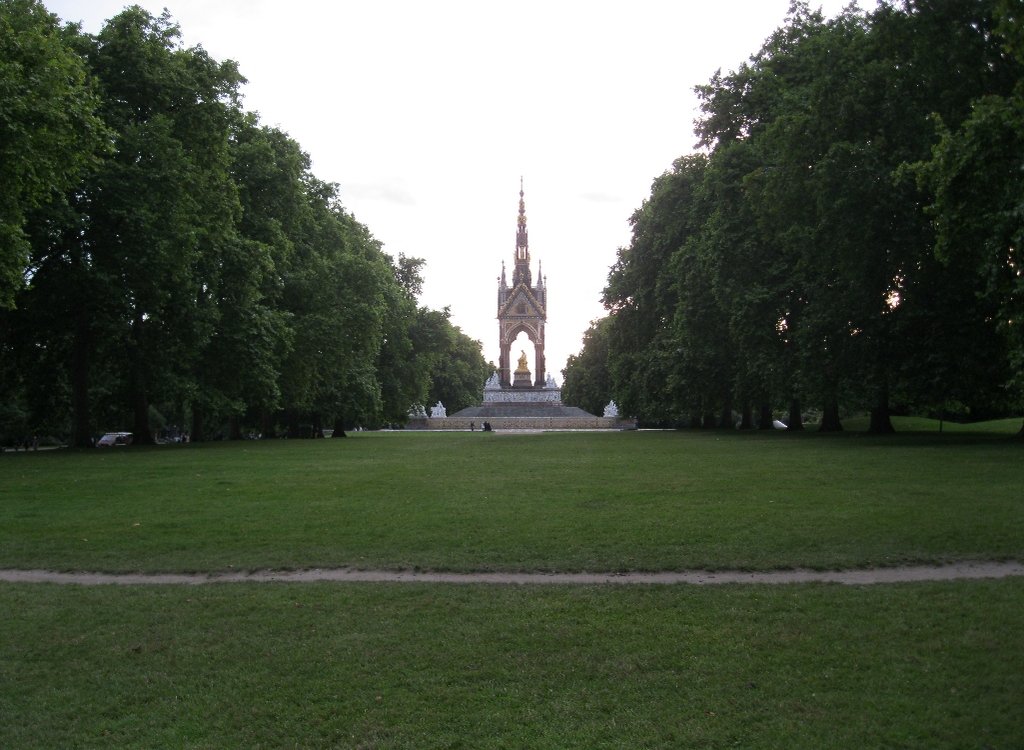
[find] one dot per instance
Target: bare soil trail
(858, 577)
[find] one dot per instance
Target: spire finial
(522, 240)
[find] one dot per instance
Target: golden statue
(522, 362)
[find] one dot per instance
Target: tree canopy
(50, 131)
(846, 239)
(170, 264)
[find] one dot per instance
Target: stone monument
(520, 399)
(522, 306)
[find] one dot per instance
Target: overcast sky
(426, 114)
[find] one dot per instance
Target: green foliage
(453, 362)
(643, 298)
(409, 274)
(163, 208)
(794, 262)
(976, 175)
(50, 134)
(193, 265)
(587, 380)
(458, 377)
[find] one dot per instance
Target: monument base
(534, 408)
(526, 423)
(518, 408)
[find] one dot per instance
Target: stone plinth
(533, 407)
(523, 396)
(529, 423)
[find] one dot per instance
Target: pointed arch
(521, 308)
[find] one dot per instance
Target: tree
(238, 373)
(335, 292)
(425, 359)
(195, 267)
(441, 363)
(823, 120)
(409, 274)
(404, 380)
(642, 298)
(976, 176)
(403, 383)
(587, 381)
(750, 279)
(51, 335)
(50, 134)
(163, 207)
(460, 371)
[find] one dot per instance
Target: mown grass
(420, 666)
(1007, 426)
(469, 501)
(924, 665)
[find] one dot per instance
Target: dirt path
(952, 572)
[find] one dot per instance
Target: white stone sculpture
(612, 410)
(438, 412)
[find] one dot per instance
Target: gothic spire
(522, 242)
(522, 269)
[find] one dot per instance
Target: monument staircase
(520, 408)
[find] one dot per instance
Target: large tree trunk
(725, 422)
(80, 362)
(267, 427)
(292, 424)
(138, 398)
(140, 407)
(234, 428)
(830, 417)
(747, 420)
(881, 424)
(766, 422)
(339, 428)
(197, 425)
(796, 421)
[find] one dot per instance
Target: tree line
(165, 259)
(846, 237)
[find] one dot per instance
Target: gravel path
(867, 576)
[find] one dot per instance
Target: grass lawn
(926, 665)
(420, 666)
(473, 501)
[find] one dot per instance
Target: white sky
(427, 113)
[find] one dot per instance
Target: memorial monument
(520, 398)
